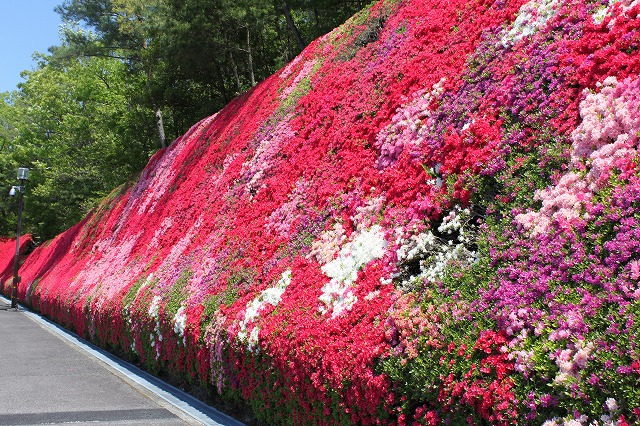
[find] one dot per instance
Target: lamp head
(23, 173)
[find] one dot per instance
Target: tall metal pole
(16, 260)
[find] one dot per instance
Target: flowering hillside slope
(7, 256)
(431, 216)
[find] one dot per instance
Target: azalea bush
(428, 217)
(8, 256)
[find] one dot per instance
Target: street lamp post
(23, 175)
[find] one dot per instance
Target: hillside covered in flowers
(431, 216)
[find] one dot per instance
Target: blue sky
(26, 26)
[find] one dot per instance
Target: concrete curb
(173, 396)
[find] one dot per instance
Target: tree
(80, 134)
(131, 71)
(126, 30)
(197, 54)
(11, 119)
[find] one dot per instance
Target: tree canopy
(128, 77)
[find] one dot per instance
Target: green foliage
(226, 297)
(197, 55)
(178, 292)
(10, 122)
(212, 305)
(88, 118)
(78, 135)
(133, 292)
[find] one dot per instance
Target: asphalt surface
(49, 376)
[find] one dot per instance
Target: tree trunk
(292, 25)
(316, 16)
(282, 41)
(234, 68)
(252, 76)
(222, 83)
(157, 112)
(160, 125)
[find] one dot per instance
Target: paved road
(49, 376)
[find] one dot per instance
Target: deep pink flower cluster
(429, 217)
(7, 258)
